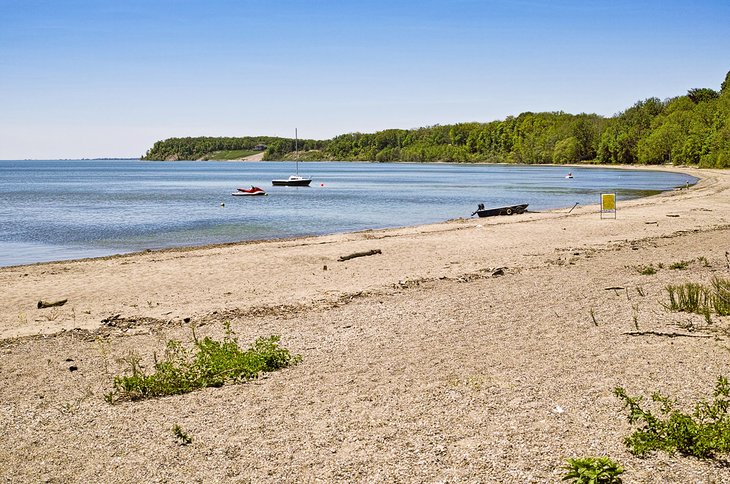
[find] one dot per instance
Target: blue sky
(83, 78)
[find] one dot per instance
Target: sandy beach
(475, 350)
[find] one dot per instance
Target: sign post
(608, 204)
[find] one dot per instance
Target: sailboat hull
(297, 182)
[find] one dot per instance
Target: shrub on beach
(593, 470)
(704, 433)
(211, 364)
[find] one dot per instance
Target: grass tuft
(181, 435)
(695, 298)
(721, 296)
(689, 297)
(649, 270)
(680, 266)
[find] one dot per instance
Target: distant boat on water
(293, 180)
(249, 192)
(569, 175)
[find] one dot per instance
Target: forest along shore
(474, 350)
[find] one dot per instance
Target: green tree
(567, 150)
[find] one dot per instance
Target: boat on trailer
(492, 212)
(249, 192)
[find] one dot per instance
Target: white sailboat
(294, 180)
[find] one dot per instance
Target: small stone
(73, 368)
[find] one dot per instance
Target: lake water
(68, 209)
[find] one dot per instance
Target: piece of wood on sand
(49, 304)
(359, 254)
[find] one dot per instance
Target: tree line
(690, 129)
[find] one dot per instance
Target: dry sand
(424, 363)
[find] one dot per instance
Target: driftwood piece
(50, 304)
(667, 335)
(359, 254)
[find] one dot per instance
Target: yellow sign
(608, 204)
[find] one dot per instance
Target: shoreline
(470, 350)
(692, 171)
(46, 280)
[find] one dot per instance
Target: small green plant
(703, 260)
(696, 298)
(704, 433)
(689, 297)
(212, 364)
(721, 296)
(649, 270)
(680, 266)
(181, 435)
(593, 470)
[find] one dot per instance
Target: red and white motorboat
(249, 192)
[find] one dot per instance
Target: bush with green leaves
(593, 470)
(211, 364)
(705, 433)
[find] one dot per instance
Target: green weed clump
(181, 435)
(680, 266)
(696, 298)
(593, 470)
(689, 298)
(721, 296)
(705, 433)
(649, 270)
(210, 364)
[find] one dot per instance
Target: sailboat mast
(296, 149)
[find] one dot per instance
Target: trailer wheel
(509, 211)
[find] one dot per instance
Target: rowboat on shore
(491, 212)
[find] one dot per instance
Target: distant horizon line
(103, 158)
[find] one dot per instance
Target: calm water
(53, 210)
